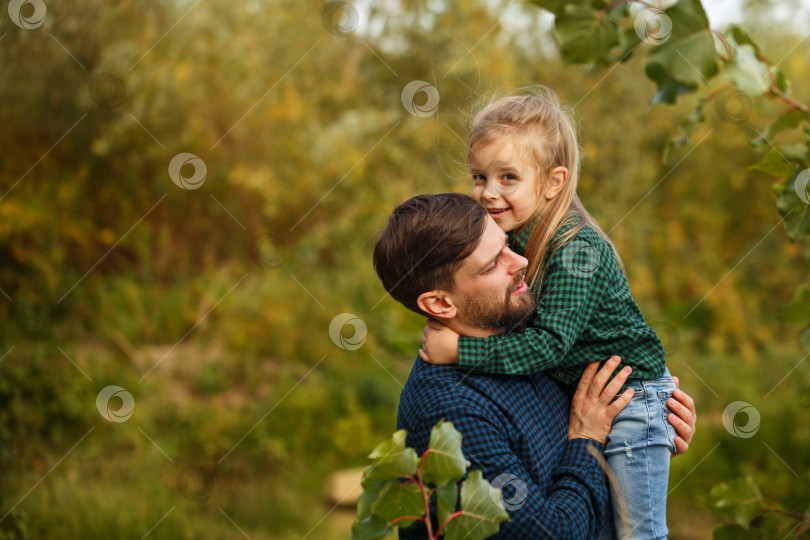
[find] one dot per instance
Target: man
(444, 257)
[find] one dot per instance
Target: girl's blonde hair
(544, 128)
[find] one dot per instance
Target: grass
(227, 438)
(265, 445)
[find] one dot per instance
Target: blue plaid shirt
(515, 427)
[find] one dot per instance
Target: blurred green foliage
(228, 291)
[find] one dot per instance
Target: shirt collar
(518, 239)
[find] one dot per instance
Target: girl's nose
(491, 191)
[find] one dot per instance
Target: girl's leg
(638, 450)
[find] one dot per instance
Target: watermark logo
(668, 334)
(340, 18)
(195, 484)
(800, 185)
(267, 251)
(518, 498)
(743, 431)
(580, 258)
(28, 14)
(733, 106)
(107, 90)
(356, 340)
(123, 413)
(409, 94)
(495, 188)
(178, 171)
(653, 26)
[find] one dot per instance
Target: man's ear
(556, 182)
(437, 304)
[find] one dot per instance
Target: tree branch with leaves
(684, 55)
(399, 486)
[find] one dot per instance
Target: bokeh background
(206, 293)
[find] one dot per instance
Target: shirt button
(561, 374)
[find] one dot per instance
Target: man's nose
(517, 262)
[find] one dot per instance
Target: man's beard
(496, 312)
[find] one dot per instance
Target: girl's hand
(439, 344)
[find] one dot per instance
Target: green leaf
(798, 311)
(688, 57)
(782, 82)
(775, 163)
(796, 152)
(747, 71)
(372, 528)
(400, 499)
(586, 36)
(371, 492)
(789, 120)
(445, 462)
(691, 60)
(481, 510)
(628, 40)
(686, 128)
(446, 500)
(618, 10)
(740, 36)
(795, 211)
(668, 88)
(391, 460)
(740, 500)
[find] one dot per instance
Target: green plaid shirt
(585, 312)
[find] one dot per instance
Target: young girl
(524, 159)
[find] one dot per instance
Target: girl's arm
(575, 282)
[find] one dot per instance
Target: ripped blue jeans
(638, 449)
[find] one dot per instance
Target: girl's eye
(509, 176)
(478, 178)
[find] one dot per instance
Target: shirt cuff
(472, 352)
(576, 453)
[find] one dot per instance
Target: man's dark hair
(424, 242)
